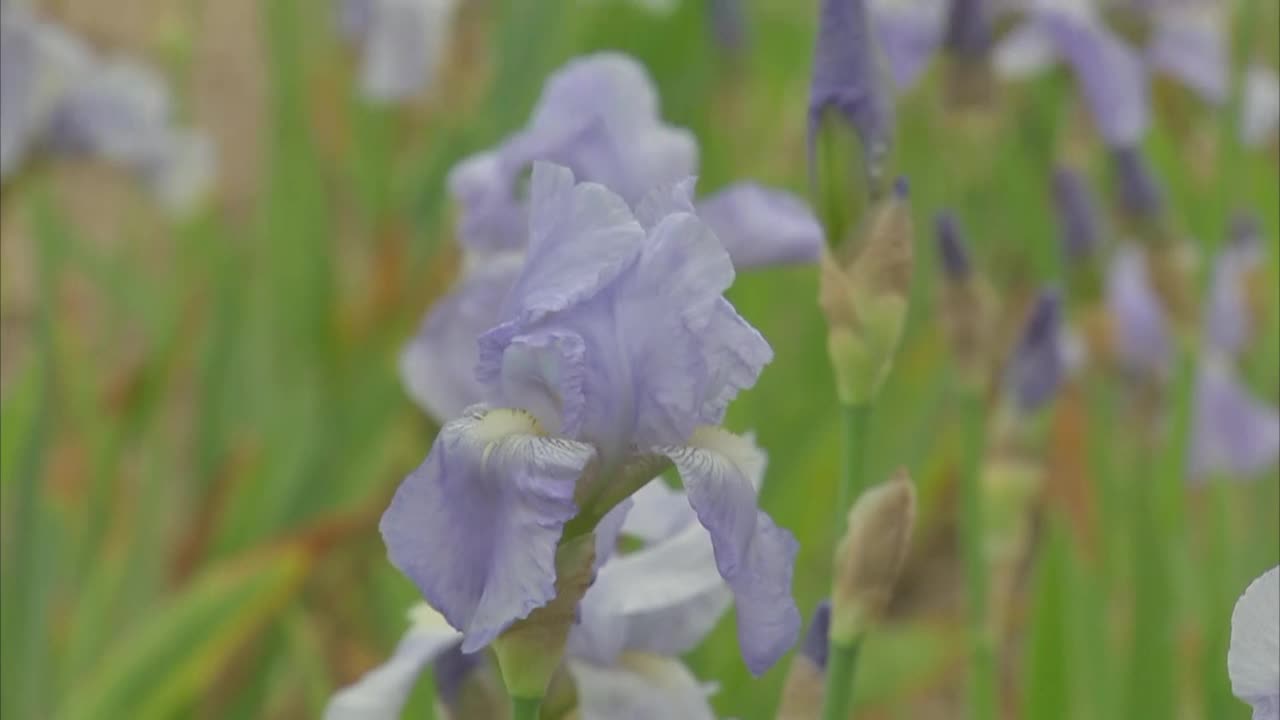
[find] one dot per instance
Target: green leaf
(179, 652)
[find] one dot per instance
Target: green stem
(842, 664)
(857, 424)
(982, 682)
(524, 708)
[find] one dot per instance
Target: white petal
(641, 687)
(1253, 660)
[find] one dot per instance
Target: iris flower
(614, 354)
(1253, 659)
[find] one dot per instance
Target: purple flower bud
(968, 29)
(952, 247)
(1037, 365)
(728, 23)
(847, 77)
(816, 644)
(1078, 220)
(1138, 190)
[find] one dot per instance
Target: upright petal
(1253, 659)
(477, 524)
(754, 556)
(1141, 332)
(759, 226)
(910, 34)
(1189, 43)
(382, 693)
(438, 366)
(1234, 434)
(640, 687)
(1111, 76)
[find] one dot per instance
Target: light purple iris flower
(1253, 659)
(1233, 433)
(1112, 76)
(598, 116)
(402, 43)
(643, 610)
(614, 347)
(57, 96)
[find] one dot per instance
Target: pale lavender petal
(1189, 44)
(657, 512)
(1141, 332)
(754, 556)
(438, 365)
(117, 112)
(1234, 433)
(1253, 658)
(381, 693)
(759, 226)
(476, 525)
(641, 687)
(848, 76)
(1228, 323)
(1110, 74)
(1260, 114)
(598, 115)
(909, 34)
(662, 599)
(404, 41)
(664, 200)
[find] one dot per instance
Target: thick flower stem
(857, 424)
(982, 693)
(842, 665)
(525, 708)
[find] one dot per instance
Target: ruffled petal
(438, 367)
(1235, 434)
(383, 691)
(1253, 659)
(754, 556)
(662, 599)
(759, 226)
(477, 524)
(1141, 334)
(641, 687)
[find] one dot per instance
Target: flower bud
(850, 117)
(531, 649)
(1038, 364)
(870, 556)
(806, 681)
(865, 302)
(966, 304)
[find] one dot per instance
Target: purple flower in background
(1260, 114)
(614, 347)
(1039, 360)
(1142, 336)
(58, 97)
(643, 609)
(1139, 192)
(848, 77)
(1080, 226)
(1253, 659)
(599, 116)
(952, 247)
(1234, 434)
(1189, 42)
(1110, 74)
(402, 44)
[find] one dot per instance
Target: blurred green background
(201, 421)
